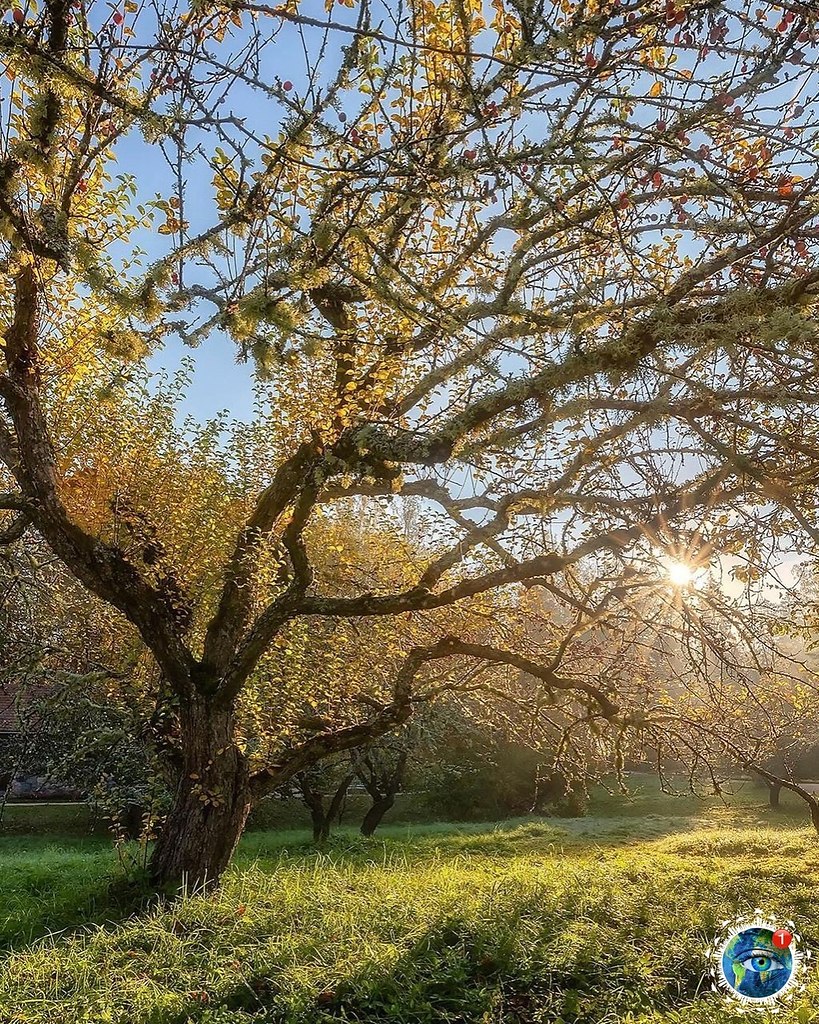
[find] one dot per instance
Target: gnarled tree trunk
(374, 816)
(321, 816)
(211, 803)
(382, 785)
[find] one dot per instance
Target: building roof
(8, 709)
(13, 699)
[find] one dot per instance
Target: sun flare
(679, 574)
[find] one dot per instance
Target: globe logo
(757, 961)
(753, 966)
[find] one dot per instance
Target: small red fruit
(18, 16)
(287, 86)
(117, 19)
(591, 60)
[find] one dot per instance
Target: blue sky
(218, 381)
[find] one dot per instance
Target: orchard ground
(588, 921)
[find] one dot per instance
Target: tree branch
(236, 599)
(399, 710)
(99, 566)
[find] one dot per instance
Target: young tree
(554, 275)
(323, 790)
(380, 769)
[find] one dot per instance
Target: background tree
(323, 789)
(380, 768)
(553, 274)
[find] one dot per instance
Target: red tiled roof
(13, 699)
(8, 709)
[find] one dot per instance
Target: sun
(679, 574)
(684, 571)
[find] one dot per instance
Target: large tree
(552, 274)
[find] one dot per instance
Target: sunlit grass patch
(581, 922)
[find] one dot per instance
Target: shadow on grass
(516, 836)
(49, 889)
(454, 970)
(454, 973)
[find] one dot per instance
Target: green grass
(67, 820)
(591, 921)
(64, 820)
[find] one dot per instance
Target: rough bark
(211, 803)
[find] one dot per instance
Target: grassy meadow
(588, 921)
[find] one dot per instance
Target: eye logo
(757, 961)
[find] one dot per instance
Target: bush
(482, 777)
